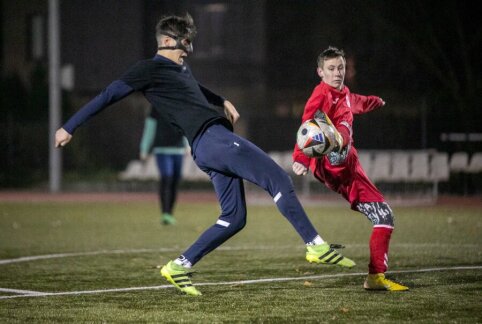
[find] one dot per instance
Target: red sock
(379, 242)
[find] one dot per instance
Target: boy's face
(176, 55)
(333, 72)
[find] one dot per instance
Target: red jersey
(347, 177)
(339, 106)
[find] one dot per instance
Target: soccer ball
(315, 138)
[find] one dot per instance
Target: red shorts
(348, 179)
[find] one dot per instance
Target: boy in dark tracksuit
(168, 84)
(168, 146)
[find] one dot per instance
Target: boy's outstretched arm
(113, 93)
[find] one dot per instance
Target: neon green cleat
(378, 281)
(168, 219)
(180, 278)
(326, 254)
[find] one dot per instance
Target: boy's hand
(338, 141)
(62, 137)
(231, 112)
(299, 169)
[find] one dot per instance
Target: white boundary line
(241, 282)
(75, 254)
(19, 291)
(161, 250)
(222, 248)
(65, 255)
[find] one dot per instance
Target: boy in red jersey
(340, 170)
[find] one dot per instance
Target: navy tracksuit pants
(228, 159)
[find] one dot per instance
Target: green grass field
(99, 261)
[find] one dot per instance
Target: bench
(381, 166)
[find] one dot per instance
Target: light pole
(55, 156)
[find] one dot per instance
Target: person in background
(340, 170)
(169, 147)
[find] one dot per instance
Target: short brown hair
(329, 53)
(182, 27)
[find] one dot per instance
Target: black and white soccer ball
(316, 138)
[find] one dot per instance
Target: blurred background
(422, 57)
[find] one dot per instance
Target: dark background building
(422, 57)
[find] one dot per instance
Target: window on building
(37, 37)
(212, 18)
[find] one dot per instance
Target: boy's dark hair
(329, 53)
(182, 27)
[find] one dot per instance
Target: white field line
(241, 282)
(222, 248)
(19, 291)
(75, 254)
(161, 250)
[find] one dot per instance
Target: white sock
(316, 241)
(182, 261)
